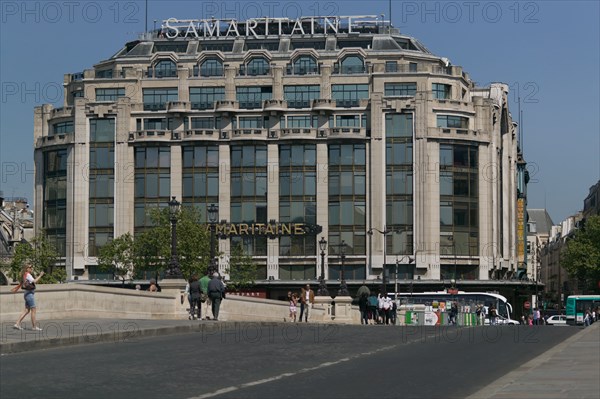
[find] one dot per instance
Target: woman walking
(28, 284)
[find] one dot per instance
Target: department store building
(341, 124)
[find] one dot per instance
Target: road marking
(285, 375)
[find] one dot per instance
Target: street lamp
(213, 212)
(385, 232)
(173, 271)
(322, 286)
(343, 291)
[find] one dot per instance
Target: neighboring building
(558, 283)
(354, 128)
(539, 226)
(591, 204)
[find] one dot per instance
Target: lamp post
(173, 271)
(385, 232)
(213, 211)
(343, 291)
(322, 286)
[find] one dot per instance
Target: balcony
(57, 139)
(324, 104)
(353, 103)
(192, 133)
(298, 104)
(291, 70)
(348, 131)
(246, 132)
(226, 106)
(155, 107)
(275, 105)
(298, 132)
(62, 112)
(152, 135)
(178, 106)
(245, 71)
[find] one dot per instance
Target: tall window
(157, 99)
(441, 91)
(399, 183)
(401, 89)
(452, 121)
(163, 69)
(304, 65)
(54, 218)
(255, 67)
(347, 204)
(349, 95)
(205, 97)
(459, 200)
(301, 96)
(249, 193)
(251, 97)
(352, 64)
(201, 176)
(298, 196)
(66, 127)
(209, 67)
(109, 95)
(152, 182)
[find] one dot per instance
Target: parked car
(557, 320)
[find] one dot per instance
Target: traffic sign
(527, 305)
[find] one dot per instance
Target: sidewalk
(57, 333)
(570, 370)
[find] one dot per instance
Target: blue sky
(548, 52)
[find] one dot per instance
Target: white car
(557, 320)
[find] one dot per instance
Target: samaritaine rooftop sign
(260, 28)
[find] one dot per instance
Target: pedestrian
(386, 307)
(307, 298)
(587, 320)
(493, 315)
(453, 313)
(536, 317)
(293, 301)
(28, 284)
(363, 306)
(216, 292)
(373, 303)
(153, 287)
(195, 291)
(205, 301)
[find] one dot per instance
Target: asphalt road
(282, 361)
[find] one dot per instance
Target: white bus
(467, 301)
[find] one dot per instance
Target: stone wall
(71, 301)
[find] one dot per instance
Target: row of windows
(257, 66)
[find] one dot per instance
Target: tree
(242, 269)
(42, 255)
(117, 256)
(152, 248)
(581, 257)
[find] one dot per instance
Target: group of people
(306, 299)
(376, 309)
(206, 292)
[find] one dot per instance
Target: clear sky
(548, 52)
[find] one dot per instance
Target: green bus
(577, 305)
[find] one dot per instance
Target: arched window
(305, 65)
(258, 66)
(352, 64)
(164, 69)
(210, 67)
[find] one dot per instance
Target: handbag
(28, 285)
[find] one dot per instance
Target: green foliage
(152, 248)
(117, 256)
(42, 255)
(242, 270)
(582, 255)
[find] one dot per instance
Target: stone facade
(118, 88)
